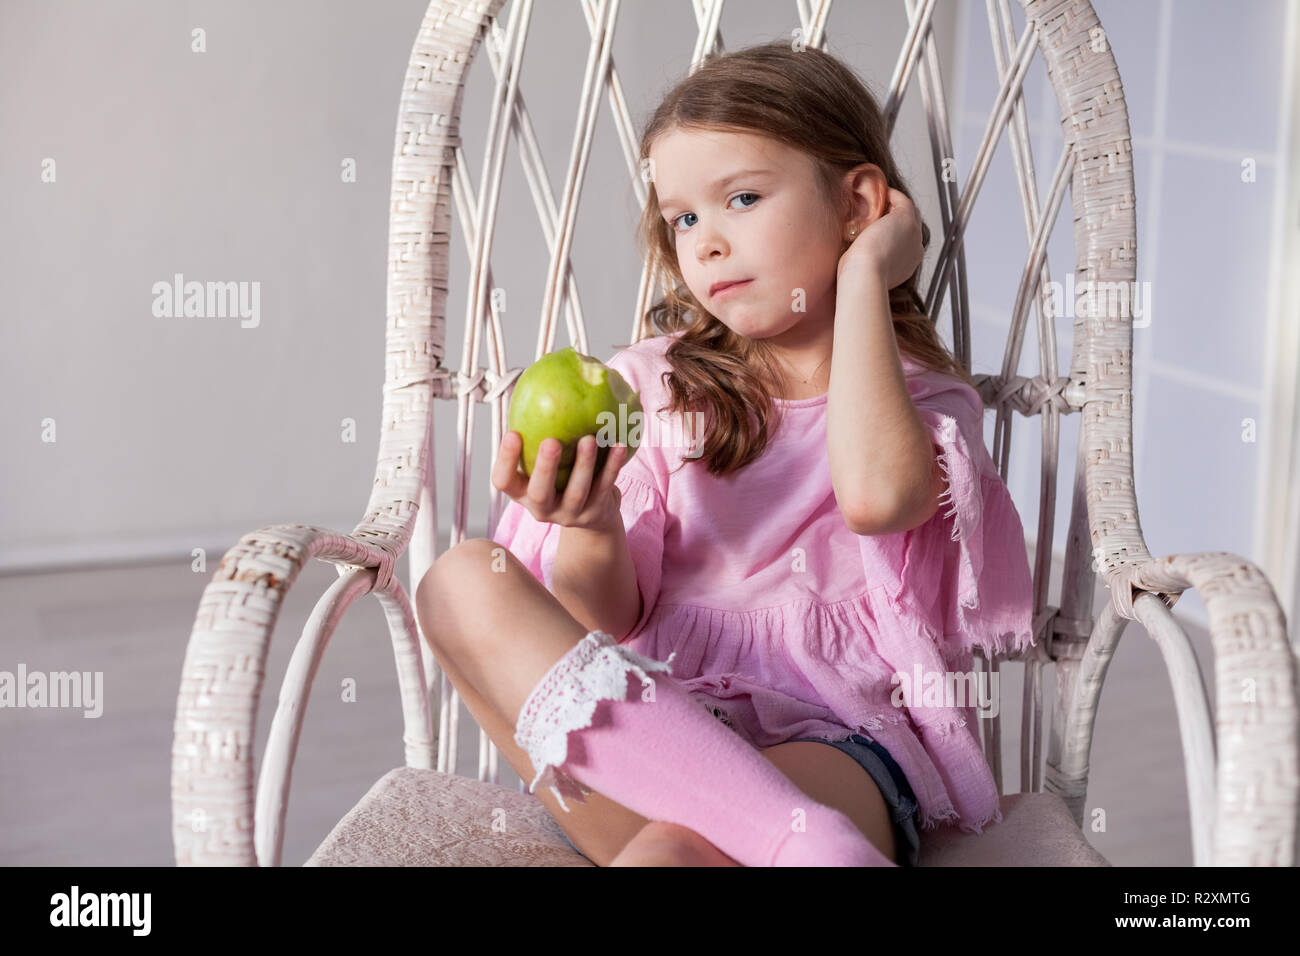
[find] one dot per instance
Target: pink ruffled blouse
(784, 622)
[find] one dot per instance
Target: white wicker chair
(1243, 805)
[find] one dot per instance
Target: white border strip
(1277, 512)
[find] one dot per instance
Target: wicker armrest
(1257, 719)
(212, 781)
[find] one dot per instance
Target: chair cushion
(1036, 830)
(416, 817)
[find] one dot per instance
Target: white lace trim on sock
(565, 699)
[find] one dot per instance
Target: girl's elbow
(909, 511)
(904, 519)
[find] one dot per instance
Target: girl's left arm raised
(884, 466)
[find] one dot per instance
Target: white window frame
(1277, 513)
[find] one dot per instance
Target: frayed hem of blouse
(1010, 643)
(874, 722)
(948, 440)
(947, 816)
(947, 497)
(888, 717)
(944, 728)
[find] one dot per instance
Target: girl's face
(742, 206)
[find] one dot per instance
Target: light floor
(95, 791)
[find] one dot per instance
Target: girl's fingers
(614, 462)
(575, 492)
(537, 492)
(541, 485)
(506, 476)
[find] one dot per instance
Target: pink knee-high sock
(648, 745)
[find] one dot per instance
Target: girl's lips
(730, 288)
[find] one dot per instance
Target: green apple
(565, 395)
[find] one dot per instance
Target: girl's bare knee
(452, 571)
(469, 594)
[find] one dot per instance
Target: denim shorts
(888, 776)
(876, 761)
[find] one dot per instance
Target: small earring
(852, 233)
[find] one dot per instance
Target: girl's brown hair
(809, 100)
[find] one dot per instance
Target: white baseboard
(157, 549)
(140, 549)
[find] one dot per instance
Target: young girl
(706, 645)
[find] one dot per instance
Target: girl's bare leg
(495, 631)
(660, 843)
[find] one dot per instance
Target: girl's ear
(868, 196)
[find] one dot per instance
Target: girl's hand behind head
(890, 246)
(589, 501)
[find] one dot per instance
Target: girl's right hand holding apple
(584, 504)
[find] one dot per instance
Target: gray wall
(175, 433)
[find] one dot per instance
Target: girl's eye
(673, 222)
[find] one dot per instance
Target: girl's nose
(708, 243)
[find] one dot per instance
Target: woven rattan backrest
(431, 178)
